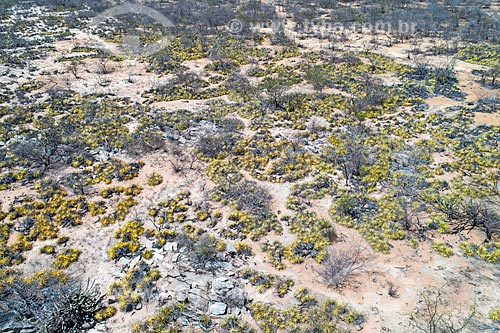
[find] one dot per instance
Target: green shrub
(155, 179)
(495, 315)
(443, 249)
(66, 258)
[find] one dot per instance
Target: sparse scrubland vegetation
(260, 174)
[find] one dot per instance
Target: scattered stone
(134, 262)
(171, 246)
(227, 266)
(87, 326)
(218, 309)
(93, 330)
(231, 249)
(116, 273)
(157, 257)
(175, 257)
(166, 266)
(138, 306)
(359, 327)
(122, 262)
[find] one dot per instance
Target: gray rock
(102, 156)
(237, 297)
(171, 246)
(218, 309)
(122, 262)
(222, 285)
(198, 291)
(116, 273)
(166, 267)
(227, 266)
(173, 273)
(87, 326)
(177, 285)
(231, 248)
(181, 296)
(158, 257)
(134, 261)
(9, 324)
(93, 330)
(197, 302)
(163, 297)
(175, 257)
(180, 289)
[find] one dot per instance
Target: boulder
(218, 309)
(222, 285)
(180, 289)
(237, 297)
(197, 302)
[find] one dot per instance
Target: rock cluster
(203, 292)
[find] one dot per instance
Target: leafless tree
(73, 67)
(43, 150)
(434, 314)
(354, 155)
(469, 215)
(340, 266)
(103, 65)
